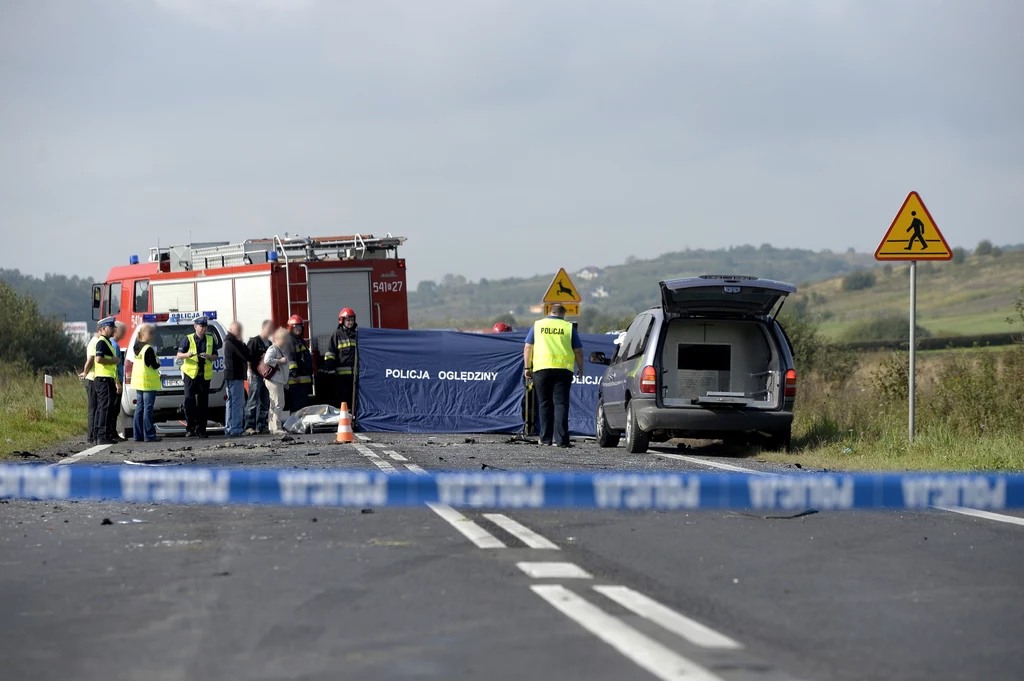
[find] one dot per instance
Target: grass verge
(24, 425)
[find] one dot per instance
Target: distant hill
(66, 298)
(620, 290)
(970, 298)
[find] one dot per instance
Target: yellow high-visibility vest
(90, 351)
(552, 345)
(144, 377)
(190, 367)
(106, 370)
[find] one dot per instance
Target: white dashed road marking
(81, 455)
(520, 531)
(395, 455)
(554, 571)
(711, 464)
(987, 515)
(470, 530)
(415, 469)
(360, 436)
(665, 664)
(374, 459)
(692, 631)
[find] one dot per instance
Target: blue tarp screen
(450, 382)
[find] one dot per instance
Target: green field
(971, 298)
(24, 425)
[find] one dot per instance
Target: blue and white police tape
(660, 491)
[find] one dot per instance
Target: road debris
(106, 521)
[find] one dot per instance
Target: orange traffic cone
(345, 434)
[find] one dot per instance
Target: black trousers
(346, 383)
(197, 404)
(298, 396)
(552, 388)
(105, 419)
(90, 396)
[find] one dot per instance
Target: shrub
(984, 247)
(859, 280)
(959, 256)
(889, 327)
(28, 337)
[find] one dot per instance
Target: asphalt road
(281, 593)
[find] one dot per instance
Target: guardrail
(634, 491)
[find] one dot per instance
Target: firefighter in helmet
(502, 327)
(341, 355)
(300, 365)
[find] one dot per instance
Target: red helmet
(346, 312)
(501, 327)
(295, 320)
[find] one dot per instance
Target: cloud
(229, 14)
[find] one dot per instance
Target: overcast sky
(504, 138)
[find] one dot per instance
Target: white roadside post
(912, 236)
(48, 393)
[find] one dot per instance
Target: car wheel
(126, 425)
(606, 436)
(637, 440)
(779, 440)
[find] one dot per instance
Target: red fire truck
(313, 277)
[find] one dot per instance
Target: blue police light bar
(271, 256)
(157, 317)
(134, 260)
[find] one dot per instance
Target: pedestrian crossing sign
(562, 290)
(913, 235)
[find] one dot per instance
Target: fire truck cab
(258, 279)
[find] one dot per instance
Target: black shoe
(544, 444)
(189, 433)
(202, 436)
(567, 445)
(107, 442)
(156, 439)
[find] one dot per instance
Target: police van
(169, 329)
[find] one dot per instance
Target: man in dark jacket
(257, 409)
(300, 365)
(341, 355)
(236, 368)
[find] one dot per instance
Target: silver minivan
(710, 362)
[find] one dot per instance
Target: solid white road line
(678, 624)
(374, 459)
(470, 530)
(415, 469)
(711, 464)
(520, 532)
(987, 515)
(395, 455)
(81, 455)
(554, 571)
(642, 650)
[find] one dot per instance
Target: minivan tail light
(791, 383)
(128, 364)
(649, 380)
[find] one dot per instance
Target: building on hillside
(599, 293)
(536, 309)
(589, 273)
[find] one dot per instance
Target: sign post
(912, 236)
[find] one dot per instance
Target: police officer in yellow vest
(198, 351)
(146, 381)
(106, 391)
(553, 346)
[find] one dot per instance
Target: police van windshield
(166, 339)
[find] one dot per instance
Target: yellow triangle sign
(913, 235)
(562, 290)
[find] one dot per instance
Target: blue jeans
(235, 406)
(257, 409)
(142, 424)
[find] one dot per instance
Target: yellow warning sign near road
(913, 235)
(562, 290)
(571, 309)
